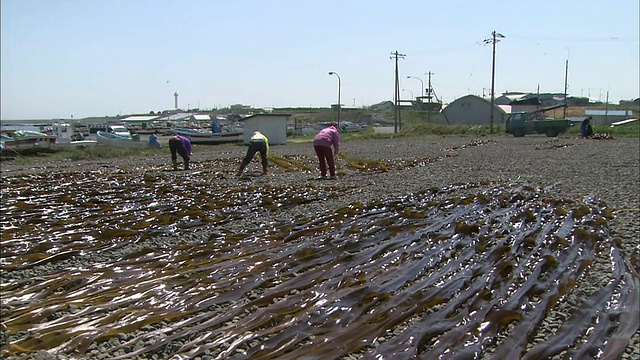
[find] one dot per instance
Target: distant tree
(151, 112)
(239, 108)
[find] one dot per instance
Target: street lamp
(339, 86)
(410, 92)
(421, 83)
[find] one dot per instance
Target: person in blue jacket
(153, 141)
(216, 128)
(585, 128)
(179, 144)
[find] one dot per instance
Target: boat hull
(27, 143)
(74, 145)
(108, 139)
(201, 137)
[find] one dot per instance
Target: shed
(199, 117)
(472, 110)
(273, 126)
(381, 106)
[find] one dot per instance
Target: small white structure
(67, 139)
(273, 126)
(200, 117)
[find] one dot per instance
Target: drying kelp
(470, 270)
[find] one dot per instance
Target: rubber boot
(186, 164)
(175, 165)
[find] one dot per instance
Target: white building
(199, 117)
(472, 110)
(273, 126)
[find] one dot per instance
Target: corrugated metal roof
(140, 118)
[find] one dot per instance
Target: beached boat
(67, 138)
(119, 136)
(25, 141)
(207, 137)
(347, 126)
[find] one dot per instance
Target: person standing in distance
(258, 143)
(327, 137)
(179, 144)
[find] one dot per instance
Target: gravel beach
(422, 248)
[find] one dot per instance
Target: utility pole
(396, 119)
(495, 37)
(429, 89)
(429, 96)
(606, 109)
(566, 76)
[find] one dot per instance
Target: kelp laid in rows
(473, 271)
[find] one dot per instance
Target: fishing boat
(119, 136)
(67, 138)
(25, 141)
(207, 137)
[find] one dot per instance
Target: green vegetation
(97, 153)
(628, 130)
(100, 152)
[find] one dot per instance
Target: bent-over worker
(179, 144)
(322, 145)
(258, 143)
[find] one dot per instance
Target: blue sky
(108, 57)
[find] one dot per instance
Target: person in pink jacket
(326, 138)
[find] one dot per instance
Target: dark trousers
(325, 157)
(177, 147)
(256, 146)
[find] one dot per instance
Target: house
(472, 110)
(542, 99)
(630, 103)
(199, 117)
(199, 120)
(525, 104)
(382, 106)
(272, 125)
(509, 97)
